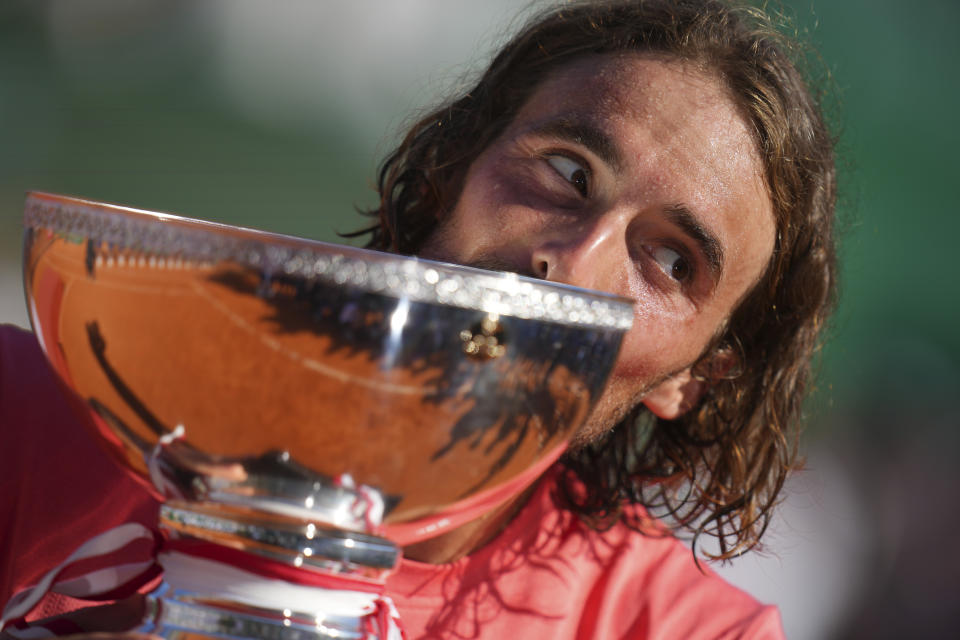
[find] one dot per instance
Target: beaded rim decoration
(181, 240)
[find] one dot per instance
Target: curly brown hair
(720, 467)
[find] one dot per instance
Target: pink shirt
(549, 576)
(545, 576)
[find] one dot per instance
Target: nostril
(540, 268)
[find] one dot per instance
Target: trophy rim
(176, 237)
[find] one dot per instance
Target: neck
(465, 539)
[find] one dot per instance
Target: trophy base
(246, 575)
(179, 615)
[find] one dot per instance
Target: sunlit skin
(632, 175)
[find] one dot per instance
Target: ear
(675, 396)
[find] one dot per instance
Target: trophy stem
(305, 545)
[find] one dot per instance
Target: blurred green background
(275, 115)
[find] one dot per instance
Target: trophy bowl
(263, 384)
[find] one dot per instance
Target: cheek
(479, 209)
(466, 232)
(657, 347)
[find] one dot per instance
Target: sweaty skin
(629, 174)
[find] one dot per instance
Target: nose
(583, 254)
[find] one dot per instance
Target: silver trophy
(302, 406)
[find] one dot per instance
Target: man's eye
(672, 263)
(572, 171)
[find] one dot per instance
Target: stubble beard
(616, 403)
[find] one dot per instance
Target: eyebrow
(582, 133)
(708, 243)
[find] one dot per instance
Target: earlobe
(674, 396)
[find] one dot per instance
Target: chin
(606, 416)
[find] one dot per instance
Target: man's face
(635, 176)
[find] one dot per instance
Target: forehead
(674, 113)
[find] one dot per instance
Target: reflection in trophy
(302, 409)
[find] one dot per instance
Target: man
(694, 154)
(666, 151)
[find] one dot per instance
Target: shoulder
(58, 487)
(649, 585)
(27, 387)
(19, 354)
